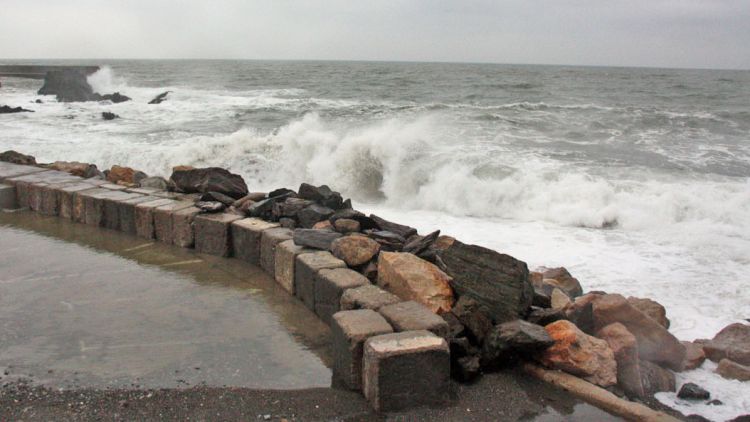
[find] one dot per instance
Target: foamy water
(636, 180)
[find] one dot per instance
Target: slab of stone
(212, 233)
(8, 197)
(330, 284)
(269, 238)
(144, 217)
(349, 330)
(112, 186)
(144, 191)
(8, 170)
(284, 261)
(52, 196)
(183, 233)
(314, 238)
(79, 203)
(410, 316)
(406, 370)
(126, 212)
(305, 268)
(112, 205)
(246, 234)
(163, 219)
(94, 207)
(367, 297)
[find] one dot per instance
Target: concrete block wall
(394, 352)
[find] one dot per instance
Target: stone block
(212, 233)
(112, 206)
(163, 220)
(284, 261)
(411, 316)
(367, 297)
(8, 197)
(79, 203)
(349, 330)
(93, 203)
(330, 284)
(268, 240)
(406, 370)
(113, 186)
(144, 217)
(9, 170)
(305, 268)
(126, 212)
(183, 233)
(246, 235)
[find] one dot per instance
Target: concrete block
(329, 285)
(305, 268)
(246, 235)
(285, 257)
(66, 198)
(367, 297)
(212, 233)
(183, 233)
(411, 316)
(126, 210)
(113, 186)
(93, 203)
(349, 330)
(144, 217)
(51, 197)
(112, 206)
(8, 197)
(406, 370)
(8, 170)
(163, 229)
(79, 203)
(268, 241)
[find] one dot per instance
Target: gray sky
(670, 33)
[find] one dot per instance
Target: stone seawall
(407, 312)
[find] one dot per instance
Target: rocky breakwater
(71, 85)
(407, 310)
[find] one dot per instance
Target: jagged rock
(412, 278)
(122, 175)
(544, 316)
(474, 317)
(651, 308)
(287, 193)
(365, 222)
(115, 98)
(323, 195)
(217, 197)
(691, 391)
(655, 343)
(154, 182)
(581, 312)
(8, 110)
(694, 355)
(625, 348)
(388, 226)
(17, 158)
(264, 208)
(75, 168)
(210, 206)
(290, 207)
(578, 353)
(346, 225)
(388, 241)
(316, 239)
(288, 223)
(209, 179)
(499, 282)
(106, 115)
(541, 299)
(355, 250)
(160, 98)
(509, 341)
(561, 278)
(655, 379)
(733, 370)
(312, 214)
(419, 244)
(732, 342)
(68, 85)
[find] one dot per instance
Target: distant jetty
(40, 71)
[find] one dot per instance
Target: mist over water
(637, 180)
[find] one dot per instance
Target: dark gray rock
(264, 208)
(217, 197)
(154, 182)
(115, 98)
(17, 158)
(106, 115)
(288, 223)
(497, 281)
(209, 179)
(290, 207)
(691, 391)
(544, 316)
(314, 213)
(8, 110)
(418, 244)
(399, 229)
(286, 193)
(474, 317)
(316, 239)
(308, 191)
(210, 206)
(510, 340)
(68, 85)
(160, 98)
(389, 241)
(465, 369)
(365, 222)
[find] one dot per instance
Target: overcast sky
(669, 33)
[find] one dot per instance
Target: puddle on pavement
(87, 307)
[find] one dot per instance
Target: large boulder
(323, 195)
(474, 317)
(655, 343)
(625, 348)
(209, 179)
(733, 370)
(17, 158)
(579, 354)
(499, 282)
(68, 85)
(9, 110)
(355, 250)
(412, 278)
(125, 175)
(651, 308)
(732, 342)
(509, 341)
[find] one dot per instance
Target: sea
(637, 180)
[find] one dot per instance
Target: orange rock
(322, 225)
(412, 278)
(579, 354)
(182, 168)
(355, 250)
(121, 174)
